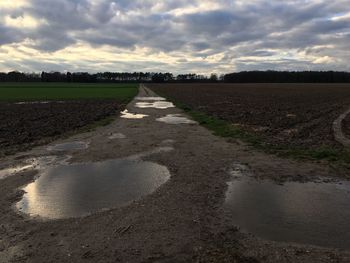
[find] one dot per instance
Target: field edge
(225, 129)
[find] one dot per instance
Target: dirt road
(182, 221)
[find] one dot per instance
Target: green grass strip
(66, 91)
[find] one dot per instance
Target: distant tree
(213, 77)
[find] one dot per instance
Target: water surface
(175, 119)
(69, 146)
(117, 135)
(72, 190)
(157, 105)
(308, 213)
(150, 98)
(128, 115)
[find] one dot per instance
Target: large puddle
(72, 190)
(308, 213)
(156, 104)
(175, 119)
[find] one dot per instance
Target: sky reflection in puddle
(73, 190)
(127, 115)
(309, 213)
(150, 98)
(175, 119)
(69, 146)
(156, 105)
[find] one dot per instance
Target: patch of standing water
(127, 115)
(68, 146)
(175, 119)
(308, 213)
(157, 105)
(4, 173)
(114, 136)
(74, 190)
(150, 98)
(39, 102)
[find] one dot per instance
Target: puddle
(175, 119)
(162, 149)
(150, 98)
(127, 115)
(80, 189)
(157, 105)
(308, 213)
(69, 146)
(114, 136)
(37, 102)
(168, 142)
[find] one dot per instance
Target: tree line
(288, 77)
(239, 77)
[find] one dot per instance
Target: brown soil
(183, 221)
(25, 125)
(284, 114)
(346, 126)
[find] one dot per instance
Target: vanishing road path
(182, 221)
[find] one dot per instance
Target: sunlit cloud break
(179, 36)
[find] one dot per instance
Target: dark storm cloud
(235, 29)
(9, 36)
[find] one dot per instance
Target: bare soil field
(24, 125)
(298, 115)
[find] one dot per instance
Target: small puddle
(4, 173)
(127, 115)
(38, 102)
(175, 119)
(114, 136)
(69, 146)
(307, 213)
(31, 164)
(73, 190)
(157, 105)
(150, 98)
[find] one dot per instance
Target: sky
(179, 36)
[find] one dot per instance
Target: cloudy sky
(180, 36)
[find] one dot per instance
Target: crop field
(278, 117)
(55, 109)
(65, 91)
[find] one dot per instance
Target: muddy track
(183, 221)
(339, 135)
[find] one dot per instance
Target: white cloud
(176, 35)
